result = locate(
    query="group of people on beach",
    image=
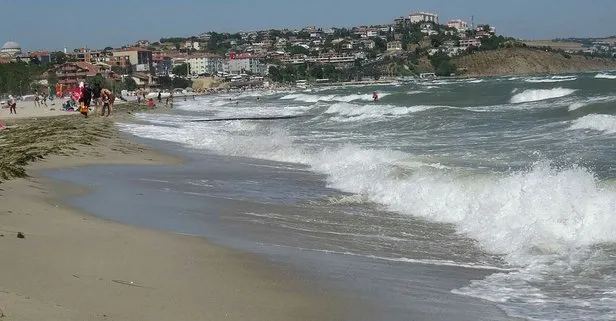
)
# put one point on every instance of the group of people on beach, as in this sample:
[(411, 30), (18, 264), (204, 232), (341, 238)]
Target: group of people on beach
[(40, 100), (102, 97)]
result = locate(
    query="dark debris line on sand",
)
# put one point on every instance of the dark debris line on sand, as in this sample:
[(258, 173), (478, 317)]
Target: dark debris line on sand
[(29, 140)]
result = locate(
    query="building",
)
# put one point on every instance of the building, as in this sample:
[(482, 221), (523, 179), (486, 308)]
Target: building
[(10, 49), (205, 64), (487, 29), (43, 57), (459, 24), (90, 56), (243, 64), (470, 42), (142, 80), (394, 45), (369, 44), (192, 44), (143, 43), (417, 17), (70, 74), (139, 58)]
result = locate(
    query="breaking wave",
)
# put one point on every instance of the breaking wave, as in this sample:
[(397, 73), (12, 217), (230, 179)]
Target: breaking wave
[(531, 95), (605, 76)]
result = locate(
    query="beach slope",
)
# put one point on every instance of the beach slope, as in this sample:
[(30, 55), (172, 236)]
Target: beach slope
[(72, 266)]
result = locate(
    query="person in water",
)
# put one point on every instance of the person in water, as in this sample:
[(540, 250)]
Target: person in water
[(375, 96)]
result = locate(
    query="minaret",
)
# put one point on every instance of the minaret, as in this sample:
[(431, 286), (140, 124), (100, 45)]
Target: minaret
[(473, 22)]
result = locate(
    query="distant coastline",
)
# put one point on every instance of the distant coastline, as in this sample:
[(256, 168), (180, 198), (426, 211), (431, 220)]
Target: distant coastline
[(526, 61)]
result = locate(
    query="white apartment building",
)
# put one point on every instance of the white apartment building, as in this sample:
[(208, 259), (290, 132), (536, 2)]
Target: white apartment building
[(417, 17), (468, 42), (459, 24), (204, 64), (245, 65)]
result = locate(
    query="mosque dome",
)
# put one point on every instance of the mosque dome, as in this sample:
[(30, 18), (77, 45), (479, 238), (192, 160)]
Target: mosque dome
[(11, 47)]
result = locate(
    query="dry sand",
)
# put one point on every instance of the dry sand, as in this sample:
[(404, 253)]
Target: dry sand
[(27, 109), (72, 266)]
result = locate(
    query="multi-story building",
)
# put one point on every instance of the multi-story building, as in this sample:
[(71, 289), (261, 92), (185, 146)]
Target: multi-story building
[(205, 64), (470, 42), (394, 45), (90, 56), (459, 24), (242, 64), (417, 17), (43, 57), (141, 59), (71, 74)]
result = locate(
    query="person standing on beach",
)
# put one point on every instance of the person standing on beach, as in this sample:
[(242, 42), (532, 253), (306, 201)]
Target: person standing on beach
[(96, 95), (36, 100), (108, 96), (160, 97), (85, 100), (13, 105)]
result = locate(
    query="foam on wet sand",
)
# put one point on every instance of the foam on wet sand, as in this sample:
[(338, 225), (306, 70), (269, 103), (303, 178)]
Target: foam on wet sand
[(72, 266)]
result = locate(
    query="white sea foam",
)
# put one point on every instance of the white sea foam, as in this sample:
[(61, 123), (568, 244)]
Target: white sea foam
[(352, 112), (531, 95), (542, 219), (605, 76), (414, 92), (596, 122), (544, 208), (592, 100), (309, 98), (551, 79), (415, 261)]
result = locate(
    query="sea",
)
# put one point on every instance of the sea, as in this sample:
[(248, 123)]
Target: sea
[(441, 197)]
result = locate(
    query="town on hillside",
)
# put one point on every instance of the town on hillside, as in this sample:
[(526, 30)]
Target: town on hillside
[(408, 46)]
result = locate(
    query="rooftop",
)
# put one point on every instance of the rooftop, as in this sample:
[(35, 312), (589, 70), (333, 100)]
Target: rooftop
[(11, 45)]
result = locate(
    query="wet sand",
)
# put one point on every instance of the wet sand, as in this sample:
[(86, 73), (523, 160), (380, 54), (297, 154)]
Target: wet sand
[(73, 266)]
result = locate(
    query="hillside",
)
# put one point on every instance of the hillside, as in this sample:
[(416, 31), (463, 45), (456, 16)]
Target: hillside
[(524, 61)]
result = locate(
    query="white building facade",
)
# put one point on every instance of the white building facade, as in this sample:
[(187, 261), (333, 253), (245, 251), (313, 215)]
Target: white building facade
[(459, 24), (417, 17), (205, 64), (245, 65)]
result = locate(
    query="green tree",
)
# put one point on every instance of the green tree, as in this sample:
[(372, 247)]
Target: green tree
[(129, 83), (179, 82), (380, 44), (61, 57), (181, 70), (97, 79), (442, 64), (52, 78)]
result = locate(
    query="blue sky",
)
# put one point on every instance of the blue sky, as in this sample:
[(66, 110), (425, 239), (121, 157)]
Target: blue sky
[(46, 24)]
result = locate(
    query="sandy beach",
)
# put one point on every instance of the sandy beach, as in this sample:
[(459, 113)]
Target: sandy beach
[(72, 266), (27, 109)]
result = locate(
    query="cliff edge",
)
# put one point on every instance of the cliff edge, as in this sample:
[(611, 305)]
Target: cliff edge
[(526, 61)]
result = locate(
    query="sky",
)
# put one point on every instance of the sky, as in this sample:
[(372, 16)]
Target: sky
[(52, 25)]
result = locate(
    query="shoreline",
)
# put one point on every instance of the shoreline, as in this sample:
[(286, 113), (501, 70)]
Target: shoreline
[(74, 266)]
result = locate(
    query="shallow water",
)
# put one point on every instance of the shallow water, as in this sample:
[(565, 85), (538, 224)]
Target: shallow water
[(512, 174)]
